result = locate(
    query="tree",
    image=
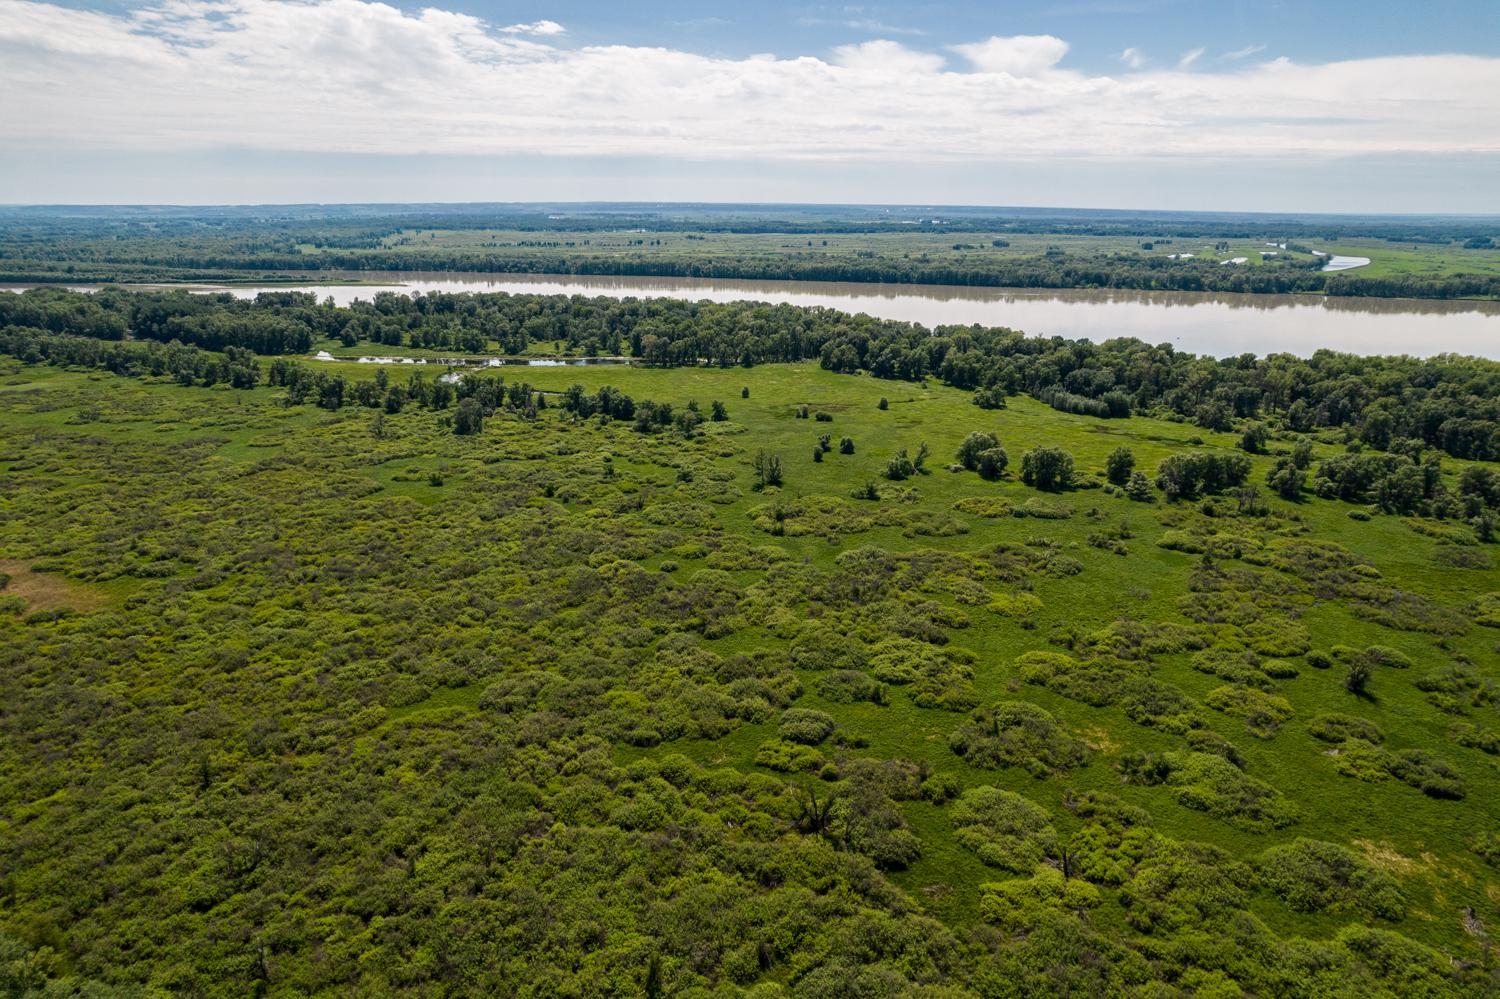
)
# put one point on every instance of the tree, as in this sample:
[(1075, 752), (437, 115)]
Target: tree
[(990, 398), (1138, 487), (1302, 454), (883, 404), (1287, 479), (1377, 429), (900, 466), (1047, 468), (717, 412), (745, 392), (992, 463), (817, 454), (767, 470), (1214, 415), (1253, 439), (1357, 680), (1401, 491), (846, 446), (968, 451), (394, 400), (468, 418), (1119, 465), (825, 442)]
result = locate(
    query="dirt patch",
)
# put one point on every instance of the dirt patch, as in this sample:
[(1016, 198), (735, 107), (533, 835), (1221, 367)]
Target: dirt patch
[(1098, 740), (1385, 857), (46, 590)]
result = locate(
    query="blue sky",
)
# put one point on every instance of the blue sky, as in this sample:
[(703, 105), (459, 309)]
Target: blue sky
[(1186, 104), (1098, 30)]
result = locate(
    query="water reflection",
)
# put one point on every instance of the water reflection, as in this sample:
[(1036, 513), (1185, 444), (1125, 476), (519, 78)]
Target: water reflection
[(1213, 323)]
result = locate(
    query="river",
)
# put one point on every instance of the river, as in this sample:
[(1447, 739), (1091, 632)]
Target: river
[(1203, 323)]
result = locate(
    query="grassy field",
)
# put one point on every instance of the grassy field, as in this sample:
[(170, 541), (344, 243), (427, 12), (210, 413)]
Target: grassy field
[(358, 631), (1388, 258)]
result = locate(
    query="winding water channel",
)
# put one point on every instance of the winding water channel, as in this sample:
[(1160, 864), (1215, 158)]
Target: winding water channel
[(1205, 323)]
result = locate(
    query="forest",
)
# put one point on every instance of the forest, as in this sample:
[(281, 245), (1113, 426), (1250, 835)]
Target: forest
[(1448, 404), (808, 655), (1440, 257)]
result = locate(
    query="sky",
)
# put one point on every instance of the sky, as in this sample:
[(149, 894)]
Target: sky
[(1338, 105)]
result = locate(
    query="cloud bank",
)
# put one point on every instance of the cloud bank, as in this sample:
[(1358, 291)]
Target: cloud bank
[(349, 76)]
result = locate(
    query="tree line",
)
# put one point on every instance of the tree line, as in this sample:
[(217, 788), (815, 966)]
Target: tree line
[(1446, 402)]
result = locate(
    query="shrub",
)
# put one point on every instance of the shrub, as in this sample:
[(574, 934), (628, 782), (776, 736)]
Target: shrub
[(1017, 734), (1263, 713), (1314, 876), (846, 686), (1204, 740), (846, 445), (903, 466), (1003, 829), (883, 405), (1413, 767), (983, 506), (1319, 660), (1211, 784), (1333, 727), (805, 725), (788, 757), (1042, 900)]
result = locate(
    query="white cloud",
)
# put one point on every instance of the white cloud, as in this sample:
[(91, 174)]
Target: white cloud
[(1244, 53), (887, 58), (1188, 58), (352, 76), (1133, 57), (535, 28), (1018, 55)]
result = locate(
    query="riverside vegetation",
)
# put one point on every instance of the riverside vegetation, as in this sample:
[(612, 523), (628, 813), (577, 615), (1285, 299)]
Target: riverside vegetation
[(765, 676), (1432, 257)]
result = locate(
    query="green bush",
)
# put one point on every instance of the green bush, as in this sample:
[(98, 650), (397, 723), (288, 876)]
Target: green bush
[(1003, 829), (1314, 876), (805, 725), (1017, 734), (1334, 727)]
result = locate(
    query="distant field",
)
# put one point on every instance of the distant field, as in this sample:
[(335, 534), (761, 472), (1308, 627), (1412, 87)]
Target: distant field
[(939, 248), (1421, 257)]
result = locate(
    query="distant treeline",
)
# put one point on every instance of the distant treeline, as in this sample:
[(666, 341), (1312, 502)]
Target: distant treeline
[(1447, 402), (1088, 271), (234, 244), (356, 224)]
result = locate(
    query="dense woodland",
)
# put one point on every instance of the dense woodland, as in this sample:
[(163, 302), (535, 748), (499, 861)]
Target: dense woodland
[(1446, 403), (813, 656)]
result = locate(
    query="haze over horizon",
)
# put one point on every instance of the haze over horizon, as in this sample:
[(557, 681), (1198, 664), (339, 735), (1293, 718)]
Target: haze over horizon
[(1128, 104)]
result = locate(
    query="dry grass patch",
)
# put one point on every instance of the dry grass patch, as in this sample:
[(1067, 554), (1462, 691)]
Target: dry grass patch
[(46, 591)]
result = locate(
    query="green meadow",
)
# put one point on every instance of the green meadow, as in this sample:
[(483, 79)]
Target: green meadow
[(304, 702)]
